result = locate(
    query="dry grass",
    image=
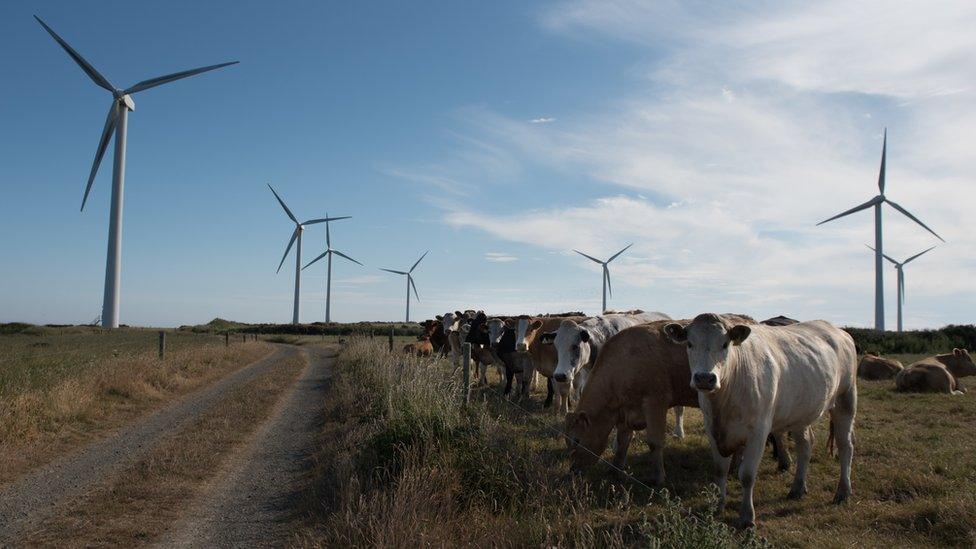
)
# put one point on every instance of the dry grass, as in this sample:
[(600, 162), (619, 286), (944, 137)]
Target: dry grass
[(85, 384), (139, 504)]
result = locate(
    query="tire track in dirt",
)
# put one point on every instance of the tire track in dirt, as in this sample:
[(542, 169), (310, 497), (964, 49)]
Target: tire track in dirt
[(40, 494), (251, 503)]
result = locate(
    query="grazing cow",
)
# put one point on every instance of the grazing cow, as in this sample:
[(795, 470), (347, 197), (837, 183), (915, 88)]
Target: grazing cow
[(756, 380), (639, 374), (420, 348), (924, 377), (876, 367), (578, 344), (540, 358)]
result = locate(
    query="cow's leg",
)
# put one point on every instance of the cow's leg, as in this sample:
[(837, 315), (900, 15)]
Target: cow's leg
[(751, 456), (842, 417), (679, 422), (721, 474), (780, 451), (655, 434), (563, 391), (528, 372), (509, 377), (804, 444), (621, 445), (550, 392)]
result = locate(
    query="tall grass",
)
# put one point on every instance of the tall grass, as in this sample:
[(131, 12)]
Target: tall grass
[(405, 464)]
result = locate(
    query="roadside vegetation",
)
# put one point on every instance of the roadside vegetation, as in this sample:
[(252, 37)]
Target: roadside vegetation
[(63, 386), (403, 463)]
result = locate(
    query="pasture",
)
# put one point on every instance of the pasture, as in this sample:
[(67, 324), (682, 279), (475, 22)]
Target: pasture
[(403, 463)]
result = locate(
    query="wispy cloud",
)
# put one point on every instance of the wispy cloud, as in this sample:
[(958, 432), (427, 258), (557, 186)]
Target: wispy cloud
[(542, 120), (439, 182), (499, 257)]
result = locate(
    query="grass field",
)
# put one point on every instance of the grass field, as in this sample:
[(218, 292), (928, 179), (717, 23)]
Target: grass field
[(59, 387), (404, 464)]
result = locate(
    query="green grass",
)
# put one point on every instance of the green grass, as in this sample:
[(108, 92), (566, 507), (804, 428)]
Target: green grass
[(407, 465)]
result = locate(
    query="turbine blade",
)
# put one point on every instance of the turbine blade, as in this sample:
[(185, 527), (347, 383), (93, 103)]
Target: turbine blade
[(418, 261), (294, 236), (107, 132), (614, 256), (346, 256), (326, 218), (884, 156), (96, 77), (916, 256), (874, 201), (590, 257), (913, 218), (414, 286), (394, 272), (606, 273), (886, 256), (160, 80), (282, 202), (325, 253), (328, 234)]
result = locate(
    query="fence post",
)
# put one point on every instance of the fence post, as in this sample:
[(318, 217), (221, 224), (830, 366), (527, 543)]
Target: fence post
[(391, 339), (162, 344), (466, 372), (227, 339)]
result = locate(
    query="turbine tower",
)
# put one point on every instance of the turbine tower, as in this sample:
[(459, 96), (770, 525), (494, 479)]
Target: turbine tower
[(900, 268), (297, 235), (116, 123), (606, 273), (328, 253), (876, 202), (409, 275)]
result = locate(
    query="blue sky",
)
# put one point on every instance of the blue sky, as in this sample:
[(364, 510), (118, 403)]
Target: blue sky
[(499, 136)]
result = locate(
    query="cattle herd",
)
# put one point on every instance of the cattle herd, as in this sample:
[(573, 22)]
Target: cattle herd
[(755, 382)]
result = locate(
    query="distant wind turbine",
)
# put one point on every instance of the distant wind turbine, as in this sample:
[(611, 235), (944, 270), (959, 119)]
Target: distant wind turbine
[(878, 249), (297, 235), (900, 268), (116, 123), (606, 272), (409, 275), (328, 253)]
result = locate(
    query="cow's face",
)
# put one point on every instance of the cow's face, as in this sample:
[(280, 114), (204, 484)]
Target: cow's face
[(586, 438), (708, 344), (496, 329), (572, 347), (524, 331), (449, 322), (963, 363)]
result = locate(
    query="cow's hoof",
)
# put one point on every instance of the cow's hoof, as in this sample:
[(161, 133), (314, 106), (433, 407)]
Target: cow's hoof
[(797, 493), (745, 524), (841, 497), (783, 466)]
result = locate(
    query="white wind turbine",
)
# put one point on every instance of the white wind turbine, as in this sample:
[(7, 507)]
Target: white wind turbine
[(328, 253), (116, 123), (297, 235), (876, 202), (900, 268), (606, 272), (409, 275)]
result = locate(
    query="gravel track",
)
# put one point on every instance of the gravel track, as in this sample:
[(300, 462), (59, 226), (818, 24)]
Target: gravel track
[(251, 502), (41, 493)]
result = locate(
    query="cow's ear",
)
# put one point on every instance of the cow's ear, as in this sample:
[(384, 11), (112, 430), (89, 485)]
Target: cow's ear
[(739, 333), (536, 324), (675, 332), (584, 335), (510, 322), (957, 352), (547, 338), (439, 317), (457, 314)]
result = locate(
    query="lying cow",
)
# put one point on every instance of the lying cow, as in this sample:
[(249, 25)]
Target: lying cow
[(958, 362), (578, 345), (421, 348), (754, 380), (876, 367)]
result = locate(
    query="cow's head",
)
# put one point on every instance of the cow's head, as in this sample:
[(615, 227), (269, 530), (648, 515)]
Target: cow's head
[(961, 364), (449, 322), (708, 339), (525, 331), (572, 344), (586, 438), (496, 329)]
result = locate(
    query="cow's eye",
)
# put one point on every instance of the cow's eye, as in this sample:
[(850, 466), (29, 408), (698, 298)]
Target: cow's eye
[(689, 345), (726, 345)]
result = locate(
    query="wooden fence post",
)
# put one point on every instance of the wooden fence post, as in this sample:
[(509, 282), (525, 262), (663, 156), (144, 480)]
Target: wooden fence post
[(162, 344), (391, 339), (227, 339), (466, 372)]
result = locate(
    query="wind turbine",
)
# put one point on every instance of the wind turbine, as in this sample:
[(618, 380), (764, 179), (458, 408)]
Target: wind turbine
[(328, 253), (900, 268), (409, 281), (606, 272), (116, 123), (876, 202), (297, 235)]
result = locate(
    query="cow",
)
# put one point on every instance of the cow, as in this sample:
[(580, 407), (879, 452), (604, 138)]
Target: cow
[(420, 348), (639, 374), (538, 357), (924, 377), (876, 367), (481, 355), (501, 342), (780, 321), (438, 338), (958, 362), (753, 380), (451, 324), (578, 345)]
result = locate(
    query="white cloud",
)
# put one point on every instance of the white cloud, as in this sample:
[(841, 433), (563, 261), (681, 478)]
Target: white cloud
[(542, 120), (499, 257)]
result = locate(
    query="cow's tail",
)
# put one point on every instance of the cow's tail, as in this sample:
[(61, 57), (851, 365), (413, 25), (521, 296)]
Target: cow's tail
[(830, 438)]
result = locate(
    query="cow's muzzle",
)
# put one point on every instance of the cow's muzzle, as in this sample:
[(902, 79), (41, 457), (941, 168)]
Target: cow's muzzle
[(560, 377), (705, 382)]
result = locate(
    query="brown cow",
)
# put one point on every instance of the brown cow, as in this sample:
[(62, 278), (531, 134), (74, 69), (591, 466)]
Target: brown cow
[(923, 377), (538, 357), (438, 339), (876, 367), (421, 347), (958, 362)]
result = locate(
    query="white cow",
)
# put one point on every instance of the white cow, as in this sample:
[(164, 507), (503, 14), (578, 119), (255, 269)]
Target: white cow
[(753, 380), (577, 345)]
